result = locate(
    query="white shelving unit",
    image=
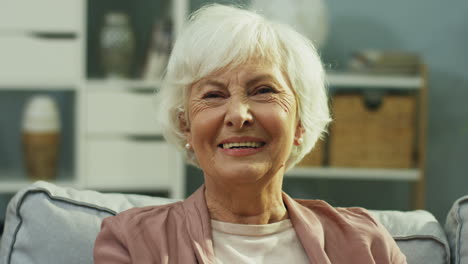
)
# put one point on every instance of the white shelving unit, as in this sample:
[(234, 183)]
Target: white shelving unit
[(41, 51), (45, 51)]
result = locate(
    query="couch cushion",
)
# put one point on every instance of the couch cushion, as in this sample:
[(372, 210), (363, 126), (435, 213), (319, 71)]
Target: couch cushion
[(418, 234), (50, 224), (456, 227)]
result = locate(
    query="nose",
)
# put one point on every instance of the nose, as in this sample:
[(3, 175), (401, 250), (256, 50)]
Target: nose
[(238, 114)]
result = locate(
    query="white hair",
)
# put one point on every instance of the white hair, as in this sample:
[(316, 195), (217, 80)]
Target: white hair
[(218, 37)]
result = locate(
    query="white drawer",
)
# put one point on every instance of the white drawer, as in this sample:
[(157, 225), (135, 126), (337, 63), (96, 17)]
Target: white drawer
[(42, 15), (121, 112), (119, 164), (31, 60)]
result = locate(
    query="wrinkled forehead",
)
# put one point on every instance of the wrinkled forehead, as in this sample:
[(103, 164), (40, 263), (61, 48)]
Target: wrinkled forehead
[(250, 67), (242, 61), (250, 72)]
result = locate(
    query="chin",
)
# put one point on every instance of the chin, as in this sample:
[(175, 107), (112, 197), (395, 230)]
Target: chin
[(242, 173)]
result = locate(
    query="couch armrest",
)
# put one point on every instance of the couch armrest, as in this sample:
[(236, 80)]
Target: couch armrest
[(418, 234)]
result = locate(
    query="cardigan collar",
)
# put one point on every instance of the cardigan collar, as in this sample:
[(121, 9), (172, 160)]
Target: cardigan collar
[(306, 224), (197, 220), (308, 229)]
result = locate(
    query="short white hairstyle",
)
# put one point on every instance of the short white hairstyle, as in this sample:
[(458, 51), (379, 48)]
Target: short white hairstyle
[(224, 37)]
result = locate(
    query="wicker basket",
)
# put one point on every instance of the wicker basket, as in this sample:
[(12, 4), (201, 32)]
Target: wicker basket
[(314, 158), (379, 138)]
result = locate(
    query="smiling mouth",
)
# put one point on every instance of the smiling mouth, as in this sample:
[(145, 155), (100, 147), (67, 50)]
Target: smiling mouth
[(241, 145)]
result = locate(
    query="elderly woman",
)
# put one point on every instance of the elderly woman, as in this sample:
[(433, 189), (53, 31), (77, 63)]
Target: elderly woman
[(245, 99)]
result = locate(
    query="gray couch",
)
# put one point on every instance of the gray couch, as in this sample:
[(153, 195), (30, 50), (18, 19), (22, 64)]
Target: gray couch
[(50, 224)]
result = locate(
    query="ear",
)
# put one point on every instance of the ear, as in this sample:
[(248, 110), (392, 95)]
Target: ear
[(298, 134), (185, 127)]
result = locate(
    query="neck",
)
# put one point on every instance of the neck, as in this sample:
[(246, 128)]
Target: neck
[(253, 203)]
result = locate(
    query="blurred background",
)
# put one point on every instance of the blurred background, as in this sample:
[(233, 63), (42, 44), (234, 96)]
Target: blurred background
[(78, 82)]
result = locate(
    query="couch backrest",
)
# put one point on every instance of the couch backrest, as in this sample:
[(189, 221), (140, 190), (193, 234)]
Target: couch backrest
[(456, 228), (50, 224)]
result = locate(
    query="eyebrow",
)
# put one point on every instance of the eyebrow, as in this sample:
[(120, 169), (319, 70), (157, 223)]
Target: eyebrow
[(251, 82), (212, 82), (262, 77)]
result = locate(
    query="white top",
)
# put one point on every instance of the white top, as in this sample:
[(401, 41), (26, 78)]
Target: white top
[(270, 243)]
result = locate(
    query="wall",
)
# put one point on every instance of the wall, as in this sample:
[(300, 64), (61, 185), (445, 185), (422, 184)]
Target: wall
[(438, 31)]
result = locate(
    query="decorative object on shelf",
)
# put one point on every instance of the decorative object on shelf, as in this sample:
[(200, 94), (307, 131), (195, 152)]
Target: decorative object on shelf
[(366, 134), (385, 62), (158, 51), (308, 17), (117, 44), (41, 137)]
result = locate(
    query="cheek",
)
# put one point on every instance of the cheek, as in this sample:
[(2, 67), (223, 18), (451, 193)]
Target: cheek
[(279, 118), (275, 119), (284, 108), (205, 124), (196, 107)]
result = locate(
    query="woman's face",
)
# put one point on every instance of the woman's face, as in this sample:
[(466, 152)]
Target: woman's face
[(242, 123)]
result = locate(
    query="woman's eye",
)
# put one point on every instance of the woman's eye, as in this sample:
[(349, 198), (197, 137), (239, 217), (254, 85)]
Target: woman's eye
[(264, 90), (212, 95)]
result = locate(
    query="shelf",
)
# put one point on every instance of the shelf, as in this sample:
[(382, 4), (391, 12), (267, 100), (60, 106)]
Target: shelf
[(38, 86), (122, 84), (361, 80), (355, 174)]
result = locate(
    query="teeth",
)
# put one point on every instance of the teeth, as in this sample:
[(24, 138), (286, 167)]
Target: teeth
[(242, 144)]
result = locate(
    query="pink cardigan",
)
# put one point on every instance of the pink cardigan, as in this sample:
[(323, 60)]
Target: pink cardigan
[(181, 233)]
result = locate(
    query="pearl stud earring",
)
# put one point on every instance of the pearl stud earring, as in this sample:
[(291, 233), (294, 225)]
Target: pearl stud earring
[(300, 141), (187, 146)]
